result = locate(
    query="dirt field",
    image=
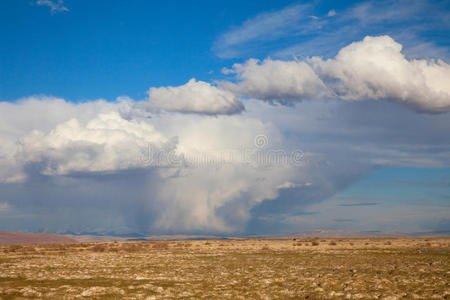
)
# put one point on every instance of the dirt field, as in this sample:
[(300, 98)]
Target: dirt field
[(229, 269)]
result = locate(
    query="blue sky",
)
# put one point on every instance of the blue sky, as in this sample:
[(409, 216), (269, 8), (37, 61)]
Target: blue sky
[(393, 193), (102, 49), (99, 49), (360, 88)]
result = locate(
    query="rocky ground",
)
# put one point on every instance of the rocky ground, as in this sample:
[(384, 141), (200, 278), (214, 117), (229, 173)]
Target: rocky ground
[(374, 268)]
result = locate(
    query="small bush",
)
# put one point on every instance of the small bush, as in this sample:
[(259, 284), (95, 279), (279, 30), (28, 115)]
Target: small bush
[(332, 243), (131, 248), (99, 248), (161, 245), (14, 248)]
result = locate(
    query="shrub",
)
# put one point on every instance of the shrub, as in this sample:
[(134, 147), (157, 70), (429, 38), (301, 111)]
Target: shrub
[(14, 248), (99, 248), (161, 245)]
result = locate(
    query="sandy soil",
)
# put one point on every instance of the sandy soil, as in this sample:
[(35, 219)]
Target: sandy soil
[(372, 268)]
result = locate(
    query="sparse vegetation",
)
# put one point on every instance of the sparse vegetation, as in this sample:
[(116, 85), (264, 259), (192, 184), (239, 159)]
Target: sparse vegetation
[(228, 269), (160, 245)]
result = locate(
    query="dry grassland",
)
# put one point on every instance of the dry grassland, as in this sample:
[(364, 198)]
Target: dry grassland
[(372, 268)]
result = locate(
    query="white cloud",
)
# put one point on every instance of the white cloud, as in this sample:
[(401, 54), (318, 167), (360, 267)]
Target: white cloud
[(54, 6), (277, 81), (221, 202), (41, 113), (106, 143), (87, 156), (95, 148), (373, 68), (291, 185), (193, 97), (92, 139), (215, 196), (307, 31), (263, 27)]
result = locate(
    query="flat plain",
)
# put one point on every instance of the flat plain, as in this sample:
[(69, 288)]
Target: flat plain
[(313, 268)]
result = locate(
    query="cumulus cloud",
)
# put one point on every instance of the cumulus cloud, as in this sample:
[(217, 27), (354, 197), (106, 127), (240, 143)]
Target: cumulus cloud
[(125, 167), (284, 82), (373, 68), (194, 97), (221, 181), (106, 143), (222, 202), (216, 182), (85, 157), (38, 113), (94, 140)]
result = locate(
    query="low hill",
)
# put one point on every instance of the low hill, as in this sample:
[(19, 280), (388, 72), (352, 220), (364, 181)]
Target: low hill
[(7, 237), (351, 234)]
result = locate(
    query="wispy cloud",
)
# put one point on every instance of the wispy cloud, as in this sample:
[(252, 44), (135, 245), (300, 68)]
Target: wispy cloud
[(54, 6), (302, 31), (343, 220), (359, 204), (267, 26)]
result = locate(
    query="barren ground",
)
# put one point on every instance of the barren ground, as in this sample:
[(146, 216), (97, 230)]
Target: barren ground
[(360, 268)]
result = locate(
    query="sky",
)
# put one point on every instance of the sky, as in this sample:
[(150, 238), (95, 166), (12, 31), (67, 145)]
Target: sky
[(224, 117)]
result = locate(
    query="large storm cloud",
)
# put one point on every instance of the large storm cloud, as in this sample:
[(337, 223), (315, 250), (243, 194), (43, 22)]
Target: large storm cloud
[(192, 159)]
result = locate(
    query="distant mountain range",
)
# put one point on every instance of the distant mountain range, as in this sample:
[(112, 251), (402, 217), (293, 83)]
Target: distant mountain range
[(350, 234), (36, 238), (306, 234), (7, 237)]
